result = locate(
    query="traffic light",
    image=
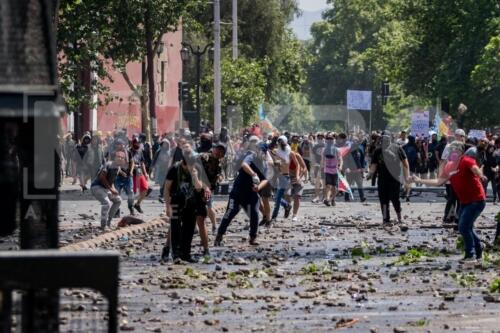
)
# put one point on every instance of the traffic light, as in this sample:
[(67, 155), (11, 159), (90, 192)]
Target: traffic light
[(183, 91)]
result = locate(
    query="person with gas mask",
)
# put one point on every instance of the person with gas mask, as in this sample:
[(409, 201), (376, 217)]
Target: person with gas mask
[(182, 190), (389, 161), (245, 193)]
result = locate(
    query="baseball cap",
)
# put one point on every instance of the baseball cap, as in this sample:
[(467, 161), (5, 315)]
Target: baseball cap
[(460, 132), (283, 138)]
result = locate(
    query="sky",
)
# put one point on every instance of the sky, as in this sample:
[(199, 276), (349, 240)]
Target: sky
[(311, 13), (312, 5)]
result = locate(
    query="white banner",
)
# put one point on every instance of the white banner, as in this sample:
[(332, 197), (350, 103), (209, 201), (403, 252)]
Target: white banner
[(359, 100), (420, 124), (478, 134)]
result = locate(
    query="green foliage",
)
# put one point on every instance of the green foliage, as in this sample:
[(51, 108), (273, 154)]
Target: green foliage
[(243, 84), (312, 268), (460, 245), (82, 36), (414, 256), (442, 49), (495, 286), (263, 37), (465, 280), (292, 112)]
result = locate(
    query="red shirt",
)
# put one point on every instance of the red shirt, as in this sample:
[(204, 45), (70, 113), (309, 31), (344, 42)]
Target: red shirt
[(467, 185)]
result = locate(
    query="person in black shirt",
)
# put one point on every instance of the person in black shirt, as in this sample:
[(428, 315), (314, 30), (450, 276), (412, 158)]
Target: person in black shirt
[(141, 178), (182, 190), (389, 161), (245, 193)]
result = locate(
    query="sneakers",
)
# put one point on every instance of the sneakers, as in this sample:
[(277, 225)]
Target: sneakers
[(131, 210), (315, 200), (253, 241), (263, 222), (479, 252), (468, 260), (138, 208), (362, 200), (161, 200), (206, 253), (165, 253), (149, 192), (295, 219), (218, 240), (333, 203), (117, 214), (327, 203), (287, 211)]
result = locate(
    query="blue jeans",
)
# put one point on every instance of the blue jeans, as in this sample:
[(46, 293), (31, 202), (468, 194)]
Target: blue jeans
[(125, 183), (283, 186), (468, 215)]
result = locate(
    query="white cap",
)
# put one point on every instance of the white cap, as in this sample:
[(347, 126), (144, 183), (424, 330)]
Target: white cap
[(460, 132), (254, 139), (283, 138)]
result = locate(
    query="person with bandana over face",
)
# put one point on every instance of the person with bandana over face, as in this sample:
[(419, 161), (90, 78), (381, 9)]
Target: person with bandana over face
[(389, 161), (140, 174), (245, 193)]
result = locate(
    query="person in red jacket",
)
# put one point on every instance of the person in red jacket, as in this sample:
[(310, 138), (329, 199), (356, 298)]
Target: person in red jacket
[(466, 179)]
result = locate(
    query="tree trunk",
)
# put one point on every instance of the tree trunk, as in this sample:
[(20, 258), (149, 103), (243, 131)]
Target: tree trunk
[(144, 103), (150, 69)]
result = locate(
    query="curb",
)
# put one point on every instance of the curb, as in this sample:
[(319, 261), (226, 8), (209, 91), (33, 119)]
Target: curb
[(96, 242)]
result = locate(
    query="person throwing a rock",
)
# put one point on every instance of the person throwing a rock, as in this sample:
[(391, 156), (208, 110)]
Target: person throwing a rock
[(245, 193)]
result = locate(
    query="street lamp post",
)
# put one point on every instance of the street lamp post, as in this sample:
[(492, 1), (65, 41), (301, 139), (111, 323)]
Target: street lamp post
[(198, 53)]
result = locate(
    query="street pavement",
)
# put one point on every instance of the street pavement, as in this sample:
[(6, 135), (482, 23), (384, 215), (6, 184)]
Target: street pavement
[(335, 269)]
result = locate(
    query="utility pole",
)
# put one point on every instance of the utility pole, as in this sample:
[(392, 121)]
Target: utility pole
[(217, 75), (235, 29)]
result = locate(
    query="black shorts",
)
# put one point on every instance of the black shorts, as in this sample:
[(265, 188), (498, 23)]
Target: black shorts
[(267, 191), (332, 180)]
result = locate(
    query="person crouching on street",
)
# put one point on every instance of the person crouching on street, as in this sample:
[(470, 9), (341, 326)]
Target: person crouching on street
[(182, 186), (103, 188), (245, 193)]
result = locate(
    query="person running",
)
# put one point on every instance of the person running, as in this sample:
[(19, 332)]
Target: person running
[(182, 189), (284, 158), (140, 180), (247, 184), (466, 179), (389, 161), (331, 163), (104, 191), (267, 192)]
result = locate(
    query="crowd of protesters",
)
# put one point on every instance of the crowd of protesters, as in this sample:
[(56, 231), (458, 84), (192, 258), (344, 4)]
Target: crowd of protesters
[(265, 168)]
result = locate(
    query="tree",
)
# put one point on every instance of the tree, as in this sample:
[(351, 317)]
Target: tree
[(348, 29), (433, 48), (96, 33), (82, 37), (243, 85)]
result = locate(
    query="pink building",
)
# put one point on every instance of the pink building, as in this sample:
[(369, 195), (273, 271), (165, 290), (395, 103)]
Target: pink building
[(125, 110)]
